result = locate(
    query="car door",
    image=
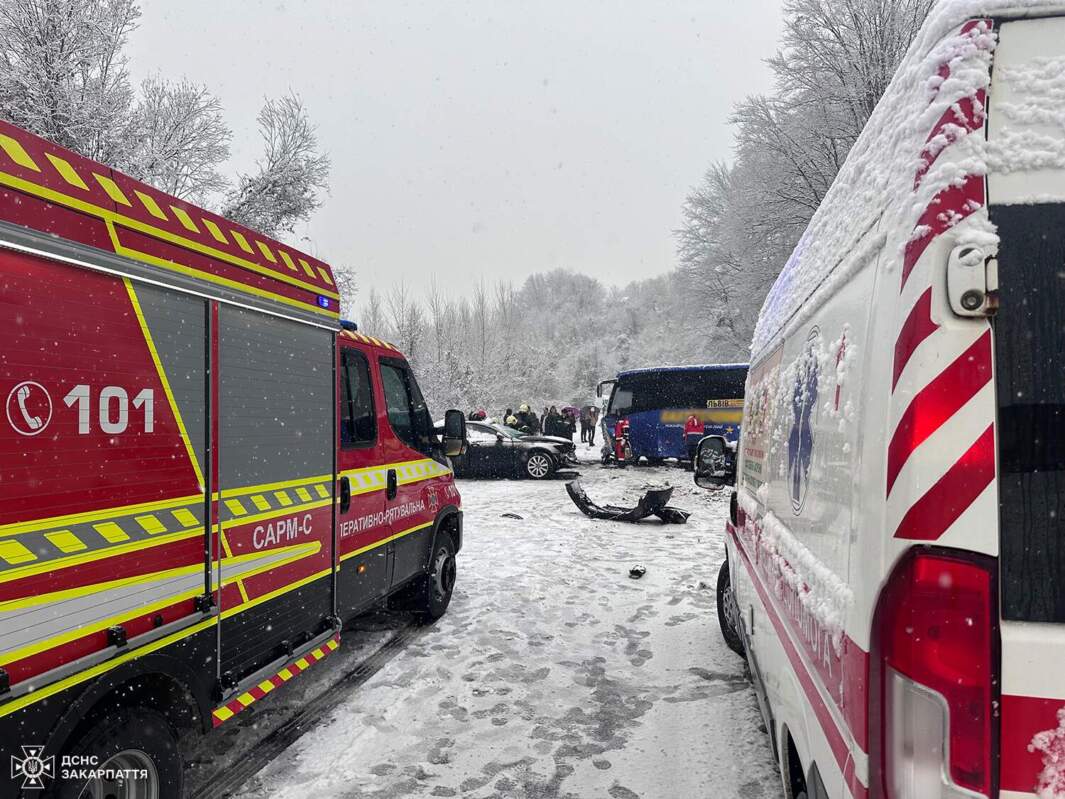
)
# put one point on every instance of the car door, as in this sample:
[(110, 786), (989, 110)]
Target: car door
[(364, 572), (482, 442), (414, 458)]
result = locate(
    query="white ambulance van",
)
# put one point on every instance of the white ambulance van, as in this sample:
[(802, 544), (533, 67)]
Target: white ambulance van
[(895, 568)]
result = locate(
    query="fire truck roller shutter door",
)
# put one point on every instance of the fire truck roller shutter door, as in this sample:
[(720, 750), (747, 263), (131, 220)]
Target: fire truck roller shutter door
[(276, 430)]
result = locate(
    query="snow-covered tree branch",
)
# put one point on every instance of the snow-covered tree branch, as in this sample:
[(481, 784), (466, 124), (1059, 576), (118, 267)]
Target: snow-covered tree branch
[(292, 174)]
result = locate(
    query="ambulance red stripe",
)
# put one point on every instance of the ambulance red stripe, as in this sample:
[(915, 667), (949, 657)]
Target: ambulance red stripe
[(917, 327), (964, 117), (937, 402), (836, 742), (946, 210), (955, 491), (1022, 718)]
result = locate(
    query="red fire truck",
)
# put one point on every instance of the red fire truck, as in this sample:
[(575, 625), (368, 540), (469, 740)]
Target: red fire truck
[(203, 473)]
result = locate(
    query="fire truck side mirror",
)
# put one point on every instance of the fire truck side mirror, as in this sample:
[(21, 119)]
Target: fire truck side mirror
[(454, 433)]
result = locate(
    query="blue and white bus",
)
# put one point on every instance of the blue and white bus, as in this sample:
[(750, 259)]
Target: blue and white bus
[(657, 402)]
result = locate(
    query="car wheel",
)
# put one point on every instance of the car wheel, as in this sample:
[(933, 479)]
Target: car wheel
[(140, 745), (728, 612), (539, 465)]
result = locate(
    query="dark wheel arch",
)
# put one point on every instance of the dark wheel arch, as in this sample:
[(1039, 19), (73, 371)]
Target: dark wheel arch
[(156, 680)]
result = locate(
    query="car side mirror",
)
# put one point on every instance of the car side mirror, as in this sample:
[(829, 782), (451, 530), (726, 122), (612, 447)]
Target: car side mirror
[(454, 433), (715, 463), (499, 438)]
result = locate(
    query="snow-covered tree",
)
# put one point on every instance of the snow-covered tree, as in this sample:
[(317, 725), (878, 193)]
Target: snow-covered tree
[(63, 74), (180, 140), (742, 221), (291, 176)]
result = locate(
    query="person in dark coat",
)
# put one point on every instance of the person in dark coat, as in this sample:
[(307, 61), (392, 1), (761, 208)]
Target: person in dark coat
[(593, 422), (553, 422), (527, 419)]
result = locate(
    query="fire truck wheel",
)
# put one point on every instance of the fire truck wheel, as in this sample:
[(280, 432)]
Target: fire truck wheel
[(433, 595), (139, 749), (727, 611)]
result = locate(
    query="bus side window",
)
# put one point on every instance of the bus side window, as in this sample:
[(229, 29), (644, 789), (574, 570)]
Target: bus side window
[(358, 423)]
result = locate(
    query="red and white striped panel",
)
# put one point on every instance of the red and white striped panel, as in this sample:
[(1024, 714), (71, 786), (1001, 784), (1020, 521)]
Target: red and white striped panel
[(941, 449)]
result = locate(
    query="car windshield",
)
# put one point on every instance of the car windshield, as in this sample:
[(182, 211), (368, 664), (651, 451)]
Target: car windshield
[(509, 432)]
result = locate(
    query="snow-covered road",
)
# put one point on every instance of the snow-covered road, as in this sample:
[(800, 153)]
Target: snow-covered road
[(554, 674)]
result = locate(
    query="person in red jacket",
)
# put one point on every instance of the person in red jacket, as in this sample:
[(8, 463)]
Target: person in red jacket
[(693, 434)]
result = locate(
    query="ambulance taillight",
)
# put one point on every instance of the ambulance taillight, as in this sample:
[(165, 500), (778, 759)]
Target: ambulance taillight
[(934, 679)]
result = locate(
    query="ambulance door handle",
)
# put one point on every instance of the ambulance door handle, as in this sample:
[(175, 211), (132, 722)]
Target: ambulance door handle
[(345, 494), (393, 484)]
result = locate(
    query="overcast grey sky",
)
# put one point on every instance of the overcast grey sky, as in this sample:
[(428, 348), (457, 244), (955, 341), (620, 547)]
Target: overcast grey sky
[(491, 139)]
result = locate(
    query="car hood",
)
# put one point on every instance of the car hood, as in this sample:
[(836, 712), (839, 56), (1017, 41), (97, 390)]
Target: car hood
[(547, 440)]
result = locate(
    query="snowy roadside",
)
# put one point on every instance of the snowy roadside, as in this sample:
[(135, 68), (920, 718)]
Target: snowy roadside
[(553, 674)]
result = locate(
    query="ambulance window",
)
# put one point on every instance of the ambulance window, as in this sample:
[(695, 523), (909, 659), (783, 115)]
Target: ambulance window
[(358, 424)]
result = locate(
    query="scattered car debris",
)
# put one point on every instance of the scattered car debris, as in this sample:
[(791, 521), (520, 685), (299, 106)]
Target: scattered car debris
[(511, 516), (637, 571), (652, 503)]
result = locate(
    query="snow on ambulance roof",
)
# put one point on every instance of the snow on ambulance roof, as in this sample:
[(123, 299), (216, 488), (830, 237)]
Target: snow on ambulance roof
[(55, 191), (895, 175), (705, 367)]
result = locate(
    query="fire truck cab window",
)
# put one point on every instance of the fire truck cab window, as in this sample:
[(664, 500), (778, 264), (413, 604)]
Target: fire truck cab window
[(358, 424), (407, 412)]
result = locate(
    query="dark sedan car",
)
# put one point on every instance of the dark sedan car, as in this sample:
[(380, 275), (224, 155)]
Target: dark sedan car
[(497, 451)]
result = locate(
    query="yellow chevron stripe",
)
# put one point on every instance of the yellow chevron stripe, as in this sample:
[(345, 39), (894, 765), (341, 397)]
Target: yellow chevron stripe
[(184, 218), (111, 532), (184, 517), (268, 254), (65, 541), (215, 231), (153, 207), (112, 189), (15, 553), (151, 524), (17, 153), (66, 171)]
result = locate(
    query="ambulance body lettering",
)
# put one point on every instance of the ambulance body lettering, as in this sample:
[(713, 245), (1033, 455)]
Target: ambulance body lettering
[(894, 572), (185, 471)]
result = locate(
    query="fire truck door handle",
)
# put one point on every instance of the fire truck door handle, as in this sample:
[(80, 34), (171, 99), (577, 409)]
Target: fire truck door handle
[(345, 494), (393, 484)]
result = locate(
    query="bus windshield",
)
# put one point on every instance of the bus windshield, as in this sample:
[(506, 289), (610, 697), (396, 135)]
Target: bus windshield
[(675, 389)]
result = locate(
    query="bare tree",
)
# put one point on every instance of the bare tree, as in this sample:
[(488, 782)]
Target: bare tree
[(180, 140), (291, 175), (63, 74), (372, 318), (407, 320)]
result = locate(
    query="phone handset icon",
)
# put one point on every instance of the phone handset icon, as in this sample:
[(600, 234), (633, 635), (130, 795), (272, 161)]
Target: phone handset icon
[(29, 408), (34, 422)]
